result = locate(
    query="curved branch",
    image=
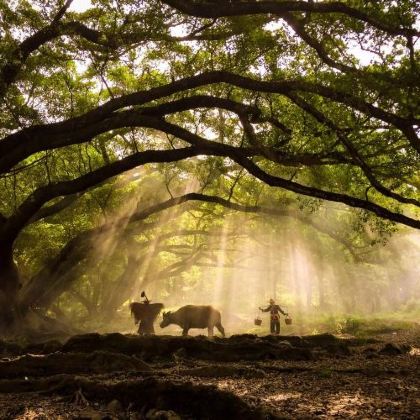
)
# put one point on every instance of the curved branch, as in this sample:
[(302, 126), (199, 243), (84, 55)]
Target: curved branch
[(200, 146), (22, 144), (10, 70), (299, 28), (325, 195), (241, 157), (56, 29), (54, 208), (353, 152), (34, 202), (247, 209), (208, 9)]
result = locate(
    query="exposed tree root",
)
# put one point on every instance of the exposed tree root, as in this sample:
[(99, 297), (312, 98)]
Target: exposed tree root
[(282, 347), (79, 399), (198, 401), (223, 350), (57, 363), (221, 371), (108, 370)]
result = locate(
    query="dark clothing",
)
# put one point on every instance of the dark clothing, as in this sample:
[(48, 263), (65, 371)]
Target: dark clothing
[(145, 314), (275, 326), (275, 311), (146, 327)]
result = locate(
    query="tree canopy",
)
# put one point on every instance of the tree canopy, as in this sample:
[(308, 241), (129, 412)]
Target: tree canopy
[(269, 107)]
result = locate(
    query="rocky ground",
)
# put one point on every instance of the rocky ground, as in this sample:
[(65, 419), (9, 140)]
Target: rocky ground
[(118, 376)]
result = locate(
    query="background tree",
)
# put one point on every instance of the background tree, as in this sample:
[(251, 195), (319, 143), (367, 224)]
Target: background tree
[(275, 88)]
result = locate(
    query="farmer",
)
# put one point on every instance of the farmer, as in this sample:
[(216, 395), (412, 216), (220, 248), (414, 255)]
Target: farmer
[(146, 299), (145, 313), (275, 311)]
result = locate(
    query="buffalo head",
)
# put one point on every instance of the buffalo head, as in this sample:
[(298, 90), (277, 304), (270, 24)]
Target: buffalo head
[(166, 319)]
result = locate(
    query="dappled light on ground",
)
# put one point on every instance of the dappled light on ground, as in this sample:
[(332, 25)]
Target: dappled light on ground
[(243, 377)]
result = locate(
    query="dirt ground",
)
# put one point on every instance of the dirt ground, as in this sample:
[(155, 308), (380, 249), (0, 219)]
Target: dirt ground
[(242, 377)]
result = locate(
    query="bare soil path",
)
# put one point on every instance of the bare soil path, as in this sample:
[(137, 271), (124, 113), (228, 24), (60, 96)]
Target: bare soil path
[(243, 377)]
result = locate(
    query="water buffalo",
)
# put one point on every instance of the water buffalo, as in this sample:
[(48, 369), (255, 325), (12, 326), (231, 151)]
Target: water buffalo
[(192, 316)]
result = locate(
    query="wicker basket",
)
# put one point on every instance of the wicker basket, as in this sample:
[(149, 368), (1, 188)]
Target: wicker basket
[(258, 321), (288, 321)]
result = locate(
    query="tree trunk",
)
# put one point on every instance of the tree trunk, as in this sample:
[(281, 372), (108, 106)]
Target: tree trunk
[(123, 287), (9, 288), (309, 296), (321, 291), (56, 276)]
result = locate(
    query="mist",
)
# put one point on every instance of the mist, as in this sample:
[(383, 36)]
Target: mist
[(326, 271)]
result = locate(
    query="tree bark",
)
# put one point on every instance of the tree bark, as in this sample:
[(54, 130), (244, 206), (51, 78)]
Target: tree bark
[(123, 288), (56, 276), (9, 288)]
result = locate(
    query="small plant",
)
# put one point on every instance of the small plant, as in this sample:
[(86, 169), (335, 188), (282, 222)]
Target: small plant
[(325, 373), (352, 325)]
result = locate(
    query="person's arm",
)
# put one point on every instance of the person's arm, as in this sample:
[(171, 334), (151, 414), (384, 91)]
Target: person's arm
[(284, 313), (266, 309)]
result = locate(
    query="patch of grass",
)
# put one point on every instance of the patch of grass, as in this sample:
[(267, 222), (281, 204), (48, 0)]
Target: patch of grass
[(357, 325), (350, 325), (383, 326), (324, 373)]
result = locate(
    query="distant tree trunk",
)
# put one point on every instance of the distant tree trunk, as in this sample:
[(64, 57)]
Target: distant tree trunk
[(274, 285), (321, 292), (9, 288), (299, 292), (375, 302), (309, 296), (90, 306), (123, 288), (57, 276)]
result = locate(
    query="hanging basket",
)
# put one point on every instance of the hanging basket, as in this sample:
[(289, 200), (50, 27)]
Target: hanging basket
[(288, 321), (258, 321)]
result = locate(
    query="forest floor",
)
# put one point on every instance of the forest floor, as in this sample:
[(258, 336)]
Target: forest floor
[(243, 377)]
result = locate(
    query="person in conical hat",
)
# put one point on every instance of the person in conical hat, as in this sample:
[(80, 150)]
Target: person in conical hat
[(145, 313), (275, 311)]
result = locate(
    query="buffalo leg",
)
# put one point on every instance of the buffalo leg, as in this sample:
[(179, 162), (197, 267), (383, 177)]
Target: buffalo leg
[(185, 331), (210, 331), (220, 328)]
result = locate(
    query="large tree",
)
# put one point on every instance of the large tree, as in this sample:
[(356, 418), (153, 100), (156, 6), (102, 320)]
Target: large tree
[(277, 88)]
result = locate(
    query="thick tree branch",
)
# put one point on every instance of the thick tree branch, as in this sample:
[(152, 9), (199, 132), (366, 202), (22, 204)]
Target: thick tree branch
[(353, 152), (242, 159), (354, 202), (299, 27), (208, 9), (54, 208), (40, 196), (33, 203), (22, 144)]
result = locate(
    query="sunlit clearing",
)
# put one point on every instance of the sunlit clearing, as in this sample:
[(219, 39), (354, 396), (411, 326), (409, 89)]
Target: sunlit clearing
[(147, 278), (221, 262), (300, 269)]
